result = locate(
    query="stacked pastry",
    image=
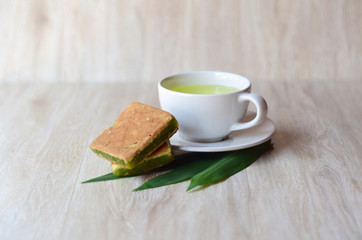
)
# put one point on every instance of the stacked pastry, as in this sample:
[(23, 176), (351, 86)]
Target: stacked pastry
[(138, 141)]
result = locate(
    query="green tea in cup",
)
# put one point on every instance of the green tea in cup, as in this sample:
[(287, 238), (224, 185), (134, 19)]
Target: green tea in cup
[(209, 105), (205, 89)]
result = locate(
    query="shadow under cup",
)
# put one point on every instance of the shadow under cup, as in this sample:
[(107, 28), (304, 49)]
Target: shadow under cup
[(205, 117)]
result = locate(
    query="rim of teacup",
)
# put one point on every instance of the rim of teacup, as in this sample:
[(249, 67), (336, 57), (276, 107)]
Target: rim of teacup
[(247, 81)]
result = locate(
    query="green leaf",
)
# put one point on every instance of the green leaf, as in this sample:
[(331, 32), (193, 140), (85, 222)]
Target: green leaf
[(201, 168), (231, 163), (106, 177), (195, 163)]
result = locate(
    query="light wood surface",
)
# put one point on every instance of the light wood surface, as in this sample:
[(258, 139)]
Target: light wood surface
[(308, 187), (126, 40)]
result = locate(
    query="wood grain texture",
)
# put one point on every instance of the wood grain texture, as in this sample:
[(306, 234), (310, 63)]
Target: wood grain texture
[(308, 187), (73, 41)]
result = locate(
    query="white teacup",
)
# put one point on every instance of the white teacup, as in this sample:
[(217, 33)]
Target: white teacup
[(210, 117)]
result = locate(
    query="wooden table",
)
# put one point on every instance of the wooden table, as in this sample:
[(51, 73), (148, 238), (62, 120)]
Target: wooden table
[(308, 187), (122, 40)]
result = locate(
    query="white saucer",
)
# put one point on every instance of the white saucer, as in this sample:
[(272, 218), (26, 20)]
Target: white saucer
[(236, 140)]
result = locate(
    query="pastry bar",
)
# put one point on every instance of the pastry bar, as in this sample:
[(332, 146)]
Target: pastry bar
[(158, 158), (137, 132)]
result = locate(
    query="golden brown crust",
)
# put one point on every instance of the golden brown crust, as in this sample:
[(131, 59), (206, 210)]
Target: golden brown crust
[(134, 129)]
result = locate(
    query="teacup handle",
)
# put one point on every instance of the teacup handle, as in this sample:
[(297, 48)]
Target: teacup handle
[(261, 111)]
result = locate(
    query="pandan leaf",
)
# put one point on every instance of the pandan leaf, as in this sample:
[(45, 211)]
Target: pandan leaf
[(194, 164), (201, 168), (231, 163), (106, 177)]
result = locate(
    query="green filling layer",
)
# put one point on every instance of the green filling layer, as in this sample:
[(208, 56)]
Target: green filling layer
[(162, 137), (108, 156), (145, 166)]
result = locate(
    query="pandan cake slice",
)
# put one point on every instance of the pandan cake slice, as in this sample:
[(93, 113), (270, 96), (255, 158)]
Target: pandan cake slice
[(137, 132), (158, 158)]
